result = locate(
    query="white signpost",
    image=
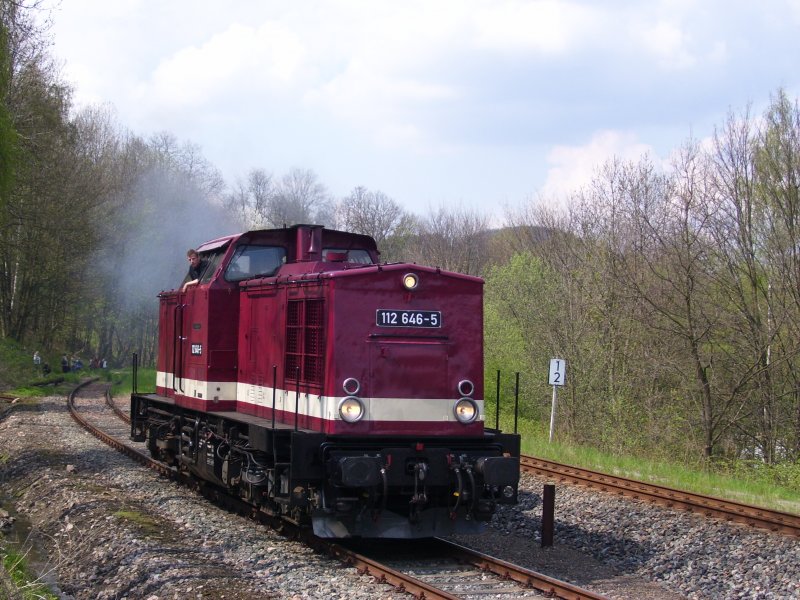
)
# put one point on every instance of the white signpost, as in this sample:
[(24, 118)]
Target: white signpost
[(558, 377)]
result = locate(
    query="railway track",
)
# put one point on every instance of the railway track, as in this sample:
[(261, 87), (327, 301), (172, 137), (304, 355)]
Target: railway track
[(776, 521), (458, 572), (464, 572)]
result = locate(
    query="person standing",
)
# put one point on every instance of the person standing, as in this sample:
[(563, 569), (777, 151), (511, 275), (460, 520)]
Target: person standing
[(65, 364), (37, 359)]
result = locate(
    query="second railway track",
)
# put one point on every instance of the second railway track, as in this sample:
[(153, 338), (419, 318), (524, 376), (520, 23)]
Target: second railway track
[(754, 516)]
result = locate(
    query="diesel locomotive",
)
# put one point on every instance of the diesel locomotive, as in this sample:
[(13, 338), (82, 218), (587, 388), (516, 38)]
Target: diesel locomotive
[(328, 388)]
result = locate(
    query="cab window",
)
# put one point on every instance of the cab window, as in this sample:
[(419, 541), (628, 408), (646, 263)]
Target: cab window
[(255, 261), (357, 256), (211, 260)]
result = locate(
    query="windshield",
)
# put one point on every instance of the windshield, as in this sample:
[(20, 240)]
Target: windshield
[(255, 261)]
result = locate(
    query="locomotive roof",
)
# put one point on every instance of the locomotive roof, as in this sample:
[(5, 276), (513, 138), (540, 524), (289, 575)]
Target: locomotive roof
[(287, 234)]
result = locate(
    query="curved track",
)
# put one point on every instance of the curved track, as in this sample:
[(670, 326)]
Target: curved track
[(754, 516), (448, 578)]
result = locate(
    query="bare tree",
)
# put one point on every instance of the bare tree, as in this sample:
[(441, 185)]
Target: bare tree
[(377, 215), (299, 197), (249, 202), (455, 240), (185, 159)]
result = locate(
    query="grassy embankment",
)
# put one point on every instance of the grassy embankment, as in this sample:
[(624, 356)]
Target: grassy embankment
[(775, 487)]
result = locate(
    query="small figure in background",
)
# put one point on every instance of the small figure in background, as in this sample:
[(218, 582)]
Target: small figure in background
[(37, 359), (104, 363), (65, 364)]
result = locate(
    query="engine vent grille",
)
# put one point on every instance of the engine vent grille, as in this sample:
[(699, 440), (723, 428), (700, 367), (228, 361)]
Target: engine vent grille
[(305, 343)]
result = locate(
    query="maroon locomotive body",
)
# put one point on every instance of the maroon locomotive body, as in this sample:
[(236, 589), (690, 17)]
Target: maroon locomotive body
[(319, 384)]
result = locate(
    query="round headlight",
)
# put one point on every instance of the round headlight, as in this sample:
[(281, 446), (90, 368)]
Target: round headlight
[(466, 387), (351, 409), (466, 410), (410, 281)]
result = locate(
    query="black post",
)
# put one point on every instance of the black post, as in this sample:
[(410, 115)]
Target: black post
[(135, 373), (516, 403), (297, 397), (274, 389), (497, 411), (548, 510)]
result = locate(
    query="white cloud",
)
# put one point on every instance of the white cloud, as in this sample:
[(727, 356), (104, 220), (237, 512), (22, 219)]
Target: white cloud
[(668, 43), (265, 57), (546, 26), (573, 167)]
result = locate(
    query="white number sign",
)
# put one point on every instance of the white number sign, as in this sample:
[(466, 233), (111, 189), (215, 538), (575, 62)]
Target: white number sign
[(558, 371)]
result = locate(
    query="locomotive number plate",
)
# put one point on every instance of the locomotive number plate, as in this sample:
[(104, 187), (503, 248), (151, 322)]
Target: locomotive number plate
[(408, 318)]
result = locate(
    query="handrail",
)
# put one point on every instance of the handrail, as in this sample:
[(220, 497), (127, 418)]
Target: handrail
[(181, 351), (177, 348)]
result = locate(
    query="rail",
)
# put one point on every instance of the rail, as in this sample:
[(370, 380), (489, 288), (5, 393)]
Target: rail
[(754, 516)]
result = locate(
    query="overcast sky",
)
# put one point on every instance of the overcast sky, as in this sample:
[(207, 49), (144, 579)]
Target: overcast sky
[(476, 103)]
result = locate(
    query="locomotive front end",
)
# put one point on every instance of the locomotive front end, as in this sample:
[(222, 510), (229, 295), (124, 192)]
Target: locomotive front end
[(407, 454)]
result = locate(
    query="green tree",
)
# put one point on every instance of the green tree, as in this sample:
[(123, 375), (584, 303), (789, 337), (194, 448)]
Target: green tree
[(8, 136)]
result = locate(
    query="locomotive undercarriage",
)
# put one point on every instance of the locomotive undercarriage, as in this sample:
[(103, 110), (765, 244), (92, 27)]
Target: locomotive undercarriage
[(393, 487)]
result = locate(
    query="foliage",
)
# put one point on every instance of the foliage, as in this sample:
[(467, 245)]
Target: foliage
[(775, 487), (16, 364), (782, 475), (678, 306), (518, 313), (8, 135), (26, 585), (122, 381)]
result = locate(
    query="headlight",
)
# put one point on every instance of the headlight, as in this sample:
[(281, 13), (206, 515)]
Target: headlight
[(466, 410), (410, 281), (466, 387), (351, 409)]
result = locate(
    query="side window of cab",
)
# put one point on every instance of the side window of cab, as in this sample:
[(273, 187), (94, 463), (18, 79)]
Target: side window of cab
[(357, 256), (211, 259), (212, 262)]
